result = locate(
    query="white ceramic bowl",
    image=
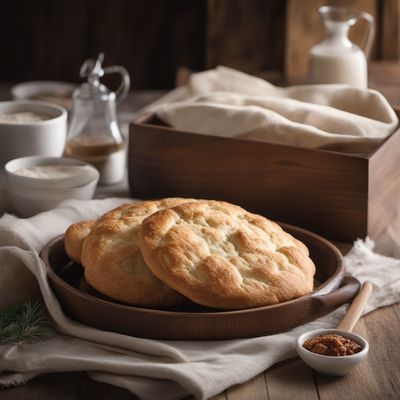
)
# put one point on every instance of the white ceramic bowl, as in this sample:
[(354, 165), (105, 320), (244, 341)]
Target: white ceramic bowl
[(30, 196), (331, 365), (50, 91), (44, 138)]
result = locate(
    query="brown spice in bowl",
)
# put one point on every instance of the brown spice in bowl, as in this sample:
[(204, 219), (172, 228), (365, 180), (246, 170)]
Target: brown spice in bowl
[(332, 345)]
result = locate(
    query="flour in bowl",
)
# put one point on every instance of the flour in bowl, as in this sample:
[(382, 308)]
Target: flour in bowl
[(52, 171), (21, 118)]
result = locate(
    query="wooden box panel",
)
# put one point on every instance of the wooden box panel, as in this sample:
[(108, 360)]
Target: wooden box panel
[(338, 195)]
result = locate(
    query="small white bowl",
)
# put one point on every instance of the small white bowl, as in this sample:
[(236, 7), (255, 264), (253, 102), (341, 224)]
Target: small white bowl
[(44, 138), (331, 365), (30, 195), (50, 91)]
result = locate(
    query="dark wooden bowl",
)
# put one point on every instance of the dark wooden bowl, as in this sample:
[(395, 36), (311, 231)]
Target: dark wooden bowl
[(194, 323)]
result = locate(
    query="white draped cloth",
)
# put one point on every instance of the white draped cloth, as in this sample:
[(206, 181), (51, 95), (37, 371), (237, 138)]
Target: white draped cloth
[(228, 103)]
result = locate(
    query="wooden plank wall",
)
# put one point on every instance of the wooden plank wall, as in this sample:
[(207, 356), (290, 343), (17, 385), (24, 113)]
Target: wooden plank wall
[(47, 39), (154, 38), (247, 35), (390, 31)]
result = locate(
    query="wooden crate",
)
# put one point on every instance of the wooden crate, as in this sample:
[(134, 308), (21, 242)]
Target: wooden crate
[(338, 195)]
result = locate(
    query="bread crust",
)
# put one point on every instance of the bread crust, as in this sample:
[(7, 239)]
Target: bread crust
[(219, 255), (113, 261), (74, 237)]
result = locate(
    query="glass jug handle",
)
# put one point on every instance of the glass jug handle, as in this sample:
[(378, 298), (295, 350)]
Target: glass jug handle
[(369, 33), (123, 88)]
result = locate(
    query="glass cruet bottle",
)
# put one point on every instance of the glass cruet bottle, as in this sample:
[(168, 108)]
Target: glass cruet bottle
[(336, 59), (94, 135)]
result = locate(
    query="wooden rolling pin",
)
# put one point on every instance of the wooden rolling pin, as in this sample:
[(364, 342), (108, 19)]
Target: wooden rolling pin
[(354, 312)]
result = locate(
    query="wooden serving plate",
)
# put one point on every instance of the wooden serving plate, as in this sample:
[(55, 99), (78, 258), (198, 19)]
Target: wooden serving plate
[(194, 323)]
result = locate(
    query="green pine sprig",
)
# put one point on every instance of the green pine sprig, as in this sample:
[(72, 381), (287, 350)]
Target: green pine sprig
[(27, 322)]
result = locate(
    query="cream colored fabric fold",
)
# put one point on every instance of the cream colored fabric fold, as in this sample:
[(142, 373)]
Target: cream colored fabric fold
[(225, 102)]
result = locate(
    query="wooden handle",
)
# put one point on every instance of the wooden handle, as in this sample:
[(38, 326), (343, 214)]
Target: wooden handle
[(348, 290), (355, 310)]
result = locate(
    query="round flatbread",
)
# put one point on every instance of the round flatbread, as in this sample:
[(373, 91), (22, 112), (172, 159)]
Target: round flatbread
[(219, 255), (74, 237), (113, 262), (76, 234)]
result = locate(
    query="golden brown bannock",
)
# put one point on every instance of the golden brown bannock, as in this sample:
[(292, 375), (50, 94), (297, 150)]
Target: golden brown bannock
[(76, 234), (113, 261), (219, 255), (74, 237)]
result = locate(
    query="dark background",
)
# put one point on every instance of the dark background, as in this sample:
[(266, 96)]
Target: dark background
[(49, 39), (153, 39)]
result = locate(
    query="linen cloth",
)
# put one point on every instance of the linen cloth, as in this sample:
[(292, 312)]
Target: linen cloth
[(148, 368), (228, 103)]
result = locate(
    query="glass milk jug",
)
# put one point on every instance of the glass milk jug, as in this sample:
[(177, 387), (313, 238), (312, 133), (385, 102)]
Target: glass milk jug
[(336, 59), (94, 135)]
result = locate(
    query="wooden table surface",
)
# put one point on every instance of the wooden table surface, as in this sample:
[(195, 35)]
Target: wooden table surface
[(376, 378)]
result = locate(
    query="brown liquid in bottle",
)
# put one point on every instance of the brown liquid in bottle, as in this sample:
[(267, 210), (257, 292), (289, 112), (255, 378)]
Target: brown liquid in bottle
[(92, 146), (103, 153)]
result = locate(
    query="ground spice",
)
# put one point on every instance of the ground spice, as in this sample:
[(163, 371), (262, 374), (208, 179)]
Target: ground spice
[(332, 345)]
